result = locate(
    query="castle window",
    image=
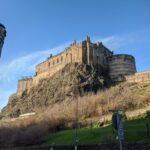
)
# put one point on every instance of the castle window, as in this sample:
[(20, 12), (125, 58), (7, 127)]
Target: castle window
[(98, 59), (61, 58), (57, 60), (53, 62), (49, 64)]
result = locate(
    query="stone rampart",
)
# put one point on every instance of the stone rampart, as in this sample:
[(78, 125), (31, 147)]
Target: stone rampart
[(24, 84), (139, 77)]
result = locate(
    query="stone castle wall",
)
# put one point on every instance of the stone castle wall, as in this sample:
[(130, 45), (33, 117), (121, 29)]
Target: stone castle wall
[(139, 77), (121, 65), (24, 84)]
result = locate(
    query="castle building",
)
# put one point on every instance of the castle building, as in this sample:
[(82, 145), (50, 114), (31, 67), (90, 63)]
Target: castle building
[(2, 36), (84, 52)]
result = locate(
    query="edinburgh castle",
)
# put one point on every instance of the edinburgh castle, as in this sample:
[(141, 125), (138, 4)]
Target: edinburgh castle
[(80, 68), (86, 52)]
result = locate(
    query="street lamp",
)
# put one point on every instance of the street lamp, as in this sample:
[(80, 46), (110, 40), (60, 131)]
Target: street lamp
[(75, 83), (118, 125)]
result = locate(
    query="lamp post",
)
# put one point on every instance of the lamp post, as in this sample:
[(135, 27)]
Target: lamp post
[(76, 135), (118, 125), (74, 84)]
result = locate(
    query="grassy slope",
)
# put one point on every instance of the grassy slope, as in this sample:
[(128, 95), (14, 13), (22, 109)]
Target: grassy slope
[(135, 130)]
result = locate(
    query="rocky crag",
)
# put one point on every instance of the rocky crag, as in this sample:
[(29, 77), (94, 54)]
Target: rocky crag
[(73, 80)]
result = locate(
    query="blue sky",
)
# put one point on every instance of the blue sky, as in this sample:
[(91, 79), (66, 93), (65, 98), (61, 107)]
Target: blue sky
[(36, 28)]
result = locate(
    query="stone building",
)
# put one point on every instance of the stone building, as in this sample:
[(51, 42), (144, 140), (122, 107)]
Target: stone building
[(2, 36), (84, 52)]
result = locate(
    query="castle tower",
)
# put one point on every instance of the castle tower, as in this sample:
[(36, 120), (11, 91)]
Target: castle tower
[(87, 38), (2, 36), (89, 54), (121, 65)]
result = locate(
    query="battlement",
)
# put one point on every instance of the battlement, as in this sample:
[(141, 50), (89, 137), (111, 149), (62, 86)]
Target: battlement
[(25, 78)]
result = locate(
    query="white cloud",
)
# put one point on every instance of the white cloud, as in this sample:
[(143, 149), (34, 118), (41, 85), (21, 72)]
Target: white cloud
[(11, 71), (25, 64), (117, 41)]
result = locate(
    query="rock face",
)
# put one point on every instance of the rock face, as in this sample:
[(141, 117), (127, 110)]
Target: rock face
[(73, 80)]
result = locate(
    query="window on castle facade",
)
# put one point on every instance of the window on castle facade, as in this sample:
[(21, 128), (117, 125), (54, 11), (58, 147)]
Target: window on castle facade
[(61, 58), (57, 60), (53, 62), (49, 64)]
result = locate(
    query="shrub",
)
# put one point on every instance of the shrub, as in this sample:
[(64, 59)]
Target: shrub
[(59, 116)]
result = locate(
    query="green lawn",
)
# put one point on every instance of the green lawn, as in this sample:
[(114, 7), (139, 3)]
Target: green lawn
[(135, 130)]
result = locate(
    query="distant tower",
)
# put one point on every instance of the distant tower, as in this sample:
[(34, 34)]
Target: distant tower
[(87, 38), (2, 36)]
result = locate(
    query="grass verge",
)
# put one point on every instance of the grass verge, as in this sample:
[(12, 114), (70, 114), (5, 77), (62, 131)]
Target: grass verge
[(135, 130)]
